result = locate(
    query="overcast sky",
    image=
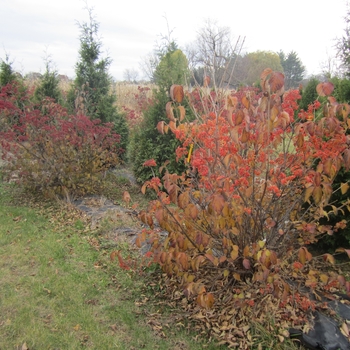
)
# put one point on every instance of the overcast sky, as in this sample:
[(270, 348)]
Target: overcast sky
[(31, 29)]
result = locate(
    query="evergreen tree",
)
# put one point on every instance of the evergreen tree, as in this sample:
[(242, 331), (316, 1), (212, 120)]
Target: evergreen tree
[(341, 89), (147, 142), (92, 92), (7, 74), (12, 84), (172, 68), (309, 94), (293, 69), (49, 85)]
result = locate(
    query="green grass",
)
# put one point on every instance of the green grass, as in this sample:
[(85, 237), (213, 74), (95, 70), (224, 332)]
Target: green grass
[(58, 292)]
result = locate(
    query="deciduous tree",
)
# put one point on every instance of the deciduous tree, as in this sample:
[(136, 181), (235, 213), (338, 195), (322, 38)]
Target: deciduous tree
[(255, 62), (343, 45), (215, 52)]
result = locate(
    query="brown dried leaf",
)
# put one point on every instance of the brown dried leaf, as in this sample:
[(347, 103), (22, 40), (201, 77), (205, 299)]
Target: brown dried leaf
[(300, 141), (265, 73), (206, 81), (346, 158), (308, 193), (344, 187), (317, 194), (169, 111), (263, 103), (245, 136), (177, 93), (234, 252), (182, 261), (329, 258), (182, 113), (205, 300), (245, 102), (113, 255), (160, 127), (192, 211), (126, 198), (172, 125), (212, 258), (232, 101), (304, 255), (239, 117)]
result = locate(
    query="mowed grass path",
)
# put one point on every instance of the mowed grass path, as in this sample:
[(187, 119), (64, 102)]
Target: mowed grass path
[(58, 292)]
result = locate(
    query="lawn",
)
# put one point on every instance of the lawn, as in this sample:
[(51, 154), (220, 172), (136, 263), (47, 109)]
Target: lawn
[(60, 291)]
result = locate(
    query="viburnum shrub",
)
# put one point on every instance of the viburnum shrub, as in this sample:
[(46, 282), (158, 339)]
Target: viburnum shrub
[(258, 183), (49, 150)]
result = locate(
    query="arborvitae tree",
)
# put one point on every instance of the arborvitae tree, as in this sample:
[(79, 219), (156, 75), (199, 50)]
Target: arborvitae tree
[(172, 68), (293, 69), (12, 84), (7, 74), (147, 142), (92, 92), (309, 94), (49, 85), (341, 89)]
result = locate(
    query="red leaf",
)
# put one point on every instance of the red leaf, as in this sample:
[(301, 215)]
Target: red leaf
[(246, 264), (217, 203), (324, 89), (265, 73), (122, 264), (276, 81), (150, 162)]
